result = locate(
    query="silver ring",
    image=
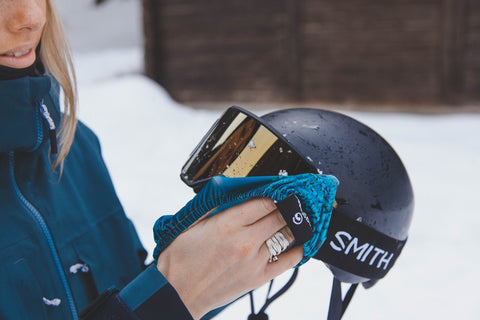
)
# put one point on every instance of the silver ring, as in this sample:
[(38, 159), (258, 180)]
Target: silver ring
[(276, 245)]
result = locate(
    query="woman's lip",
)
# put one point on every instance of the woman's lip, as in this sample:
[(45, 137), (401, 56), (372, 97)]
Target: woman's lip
[(18, 59), (21, 48), (16, 53)]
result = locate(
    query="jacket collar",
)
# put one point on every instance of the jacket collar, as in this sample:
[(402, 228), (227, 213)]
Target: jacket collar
[(22, 127)]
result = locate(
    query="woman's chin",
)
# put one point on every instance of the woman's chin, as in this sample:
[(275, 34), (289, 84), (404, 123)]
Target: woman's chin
[(20, 62)]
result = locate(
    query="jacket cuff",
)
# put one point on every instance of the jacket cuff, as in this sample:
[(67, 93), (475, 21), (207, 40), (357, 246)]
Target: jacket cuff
[(150, 295), (109, 305)]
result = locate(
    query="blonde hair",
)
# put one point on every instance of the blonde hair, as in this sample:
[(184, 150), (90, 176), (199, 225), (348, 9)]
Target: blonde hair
[(56, 57)]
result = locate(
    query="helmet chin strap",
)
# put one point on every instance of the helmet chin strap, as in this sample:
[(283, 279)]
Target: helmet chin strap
[(261, 315), (338, 304)]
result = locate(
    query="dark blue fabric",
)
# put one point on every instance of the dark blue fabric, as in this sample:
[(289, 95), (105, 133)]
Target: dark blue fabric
[(116, 309), (148, 297), (152, 297), (109, 306), (143, 287), (19, 102), (169, 301), (82, 212)]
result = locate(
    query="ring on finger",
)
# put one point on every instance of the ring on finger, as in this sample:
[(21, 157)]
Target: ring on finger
[(276, 245)]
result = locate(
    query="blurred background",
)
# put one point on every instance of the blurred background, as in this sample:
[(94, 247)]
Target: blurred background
[(408, 55), (310, 51), (153, 76)]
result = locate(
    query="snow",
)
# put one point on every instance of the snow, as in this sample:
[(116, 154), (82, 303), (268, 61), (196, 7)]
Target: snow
[(146, 137)]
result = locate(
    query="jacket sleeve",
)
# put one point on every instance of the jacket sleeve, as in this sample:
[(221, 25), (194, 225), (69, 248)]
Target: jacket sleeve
[(148, 296)]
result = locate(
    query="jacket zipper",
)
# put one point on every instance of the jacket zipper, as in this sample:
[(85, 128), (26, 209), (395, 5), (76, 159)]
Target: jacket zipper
[(38, 128), (37, 217), (51, 127)]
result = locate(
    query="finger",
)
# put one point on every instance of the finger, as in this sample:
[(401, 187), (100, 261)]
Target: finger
[(278, 245), (286, 260), (266, 227), (252, 210), (288, 234)]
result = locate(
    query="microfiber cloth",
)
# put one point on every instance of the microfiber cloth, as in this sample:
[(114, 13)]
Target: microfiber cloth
[(315, 191)]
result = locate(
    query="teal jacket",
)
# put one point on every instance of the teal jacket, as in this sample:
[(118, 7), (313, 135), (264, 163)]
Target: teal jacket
[(64, 241)]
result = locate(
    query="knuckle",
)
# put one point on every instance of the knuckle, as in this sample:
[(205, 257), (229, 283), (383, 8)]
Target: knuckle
[(267, 204), (279, 219), (288, 234)]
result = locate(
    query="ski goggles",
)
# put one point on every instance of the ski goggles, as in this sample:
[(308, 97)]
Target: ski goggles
[(240, 144)]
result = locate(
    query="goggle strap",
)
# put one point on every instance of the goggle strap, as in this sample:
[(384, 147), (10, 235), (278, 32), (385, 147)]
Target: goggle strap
[(358, 248)]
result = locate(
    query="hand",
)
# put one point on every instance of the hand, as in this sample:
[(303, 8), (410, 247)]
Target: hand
[(223, 257)]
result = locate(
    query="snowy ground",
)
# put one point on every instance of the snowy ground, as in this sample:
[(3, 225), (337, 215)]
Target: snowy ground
[(146, 137)]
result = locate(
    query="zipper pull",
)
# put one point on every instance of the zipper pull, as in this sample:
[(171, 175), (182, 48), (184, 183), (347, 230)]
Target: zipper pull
[(51, 128)]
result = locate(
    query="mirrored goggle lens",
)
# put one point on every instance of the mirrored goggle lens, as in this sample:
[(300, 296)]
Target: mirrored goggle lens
[(239, 145)]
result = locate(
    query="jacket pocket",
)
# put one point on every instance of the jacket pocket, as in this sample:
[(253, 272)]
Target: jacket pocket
[(112, 252), (21, 296)]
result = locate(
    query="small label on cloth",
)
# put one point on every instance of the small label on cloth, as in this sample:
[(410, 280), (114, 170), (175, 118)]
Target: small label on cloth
[(297, 219)]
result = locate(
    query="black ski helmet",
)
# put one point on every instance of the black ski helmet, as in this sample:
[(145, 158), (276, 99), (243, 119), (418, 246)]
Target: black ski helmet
[(370, 223), (374, 190)]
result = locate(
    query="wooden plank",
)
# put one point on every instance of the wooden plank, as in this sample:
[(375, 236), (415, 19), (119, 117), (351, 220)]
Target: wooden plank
[(452, 54), (472, 51), (294, 59), (233, 46), (370, 50)]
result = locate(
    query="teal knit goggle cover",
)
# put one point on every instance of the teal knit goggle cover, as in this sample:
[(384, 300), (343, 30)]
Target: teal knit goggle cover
[(315, 191)]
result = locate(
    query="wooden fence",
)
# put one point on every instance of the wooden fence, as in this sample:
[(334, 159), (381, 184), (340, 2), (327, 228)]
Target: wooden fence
[(381, 51)]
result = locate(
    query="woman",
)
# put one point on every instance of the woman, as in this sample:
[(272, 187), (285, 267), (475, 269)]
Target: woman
[(65, 244)]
